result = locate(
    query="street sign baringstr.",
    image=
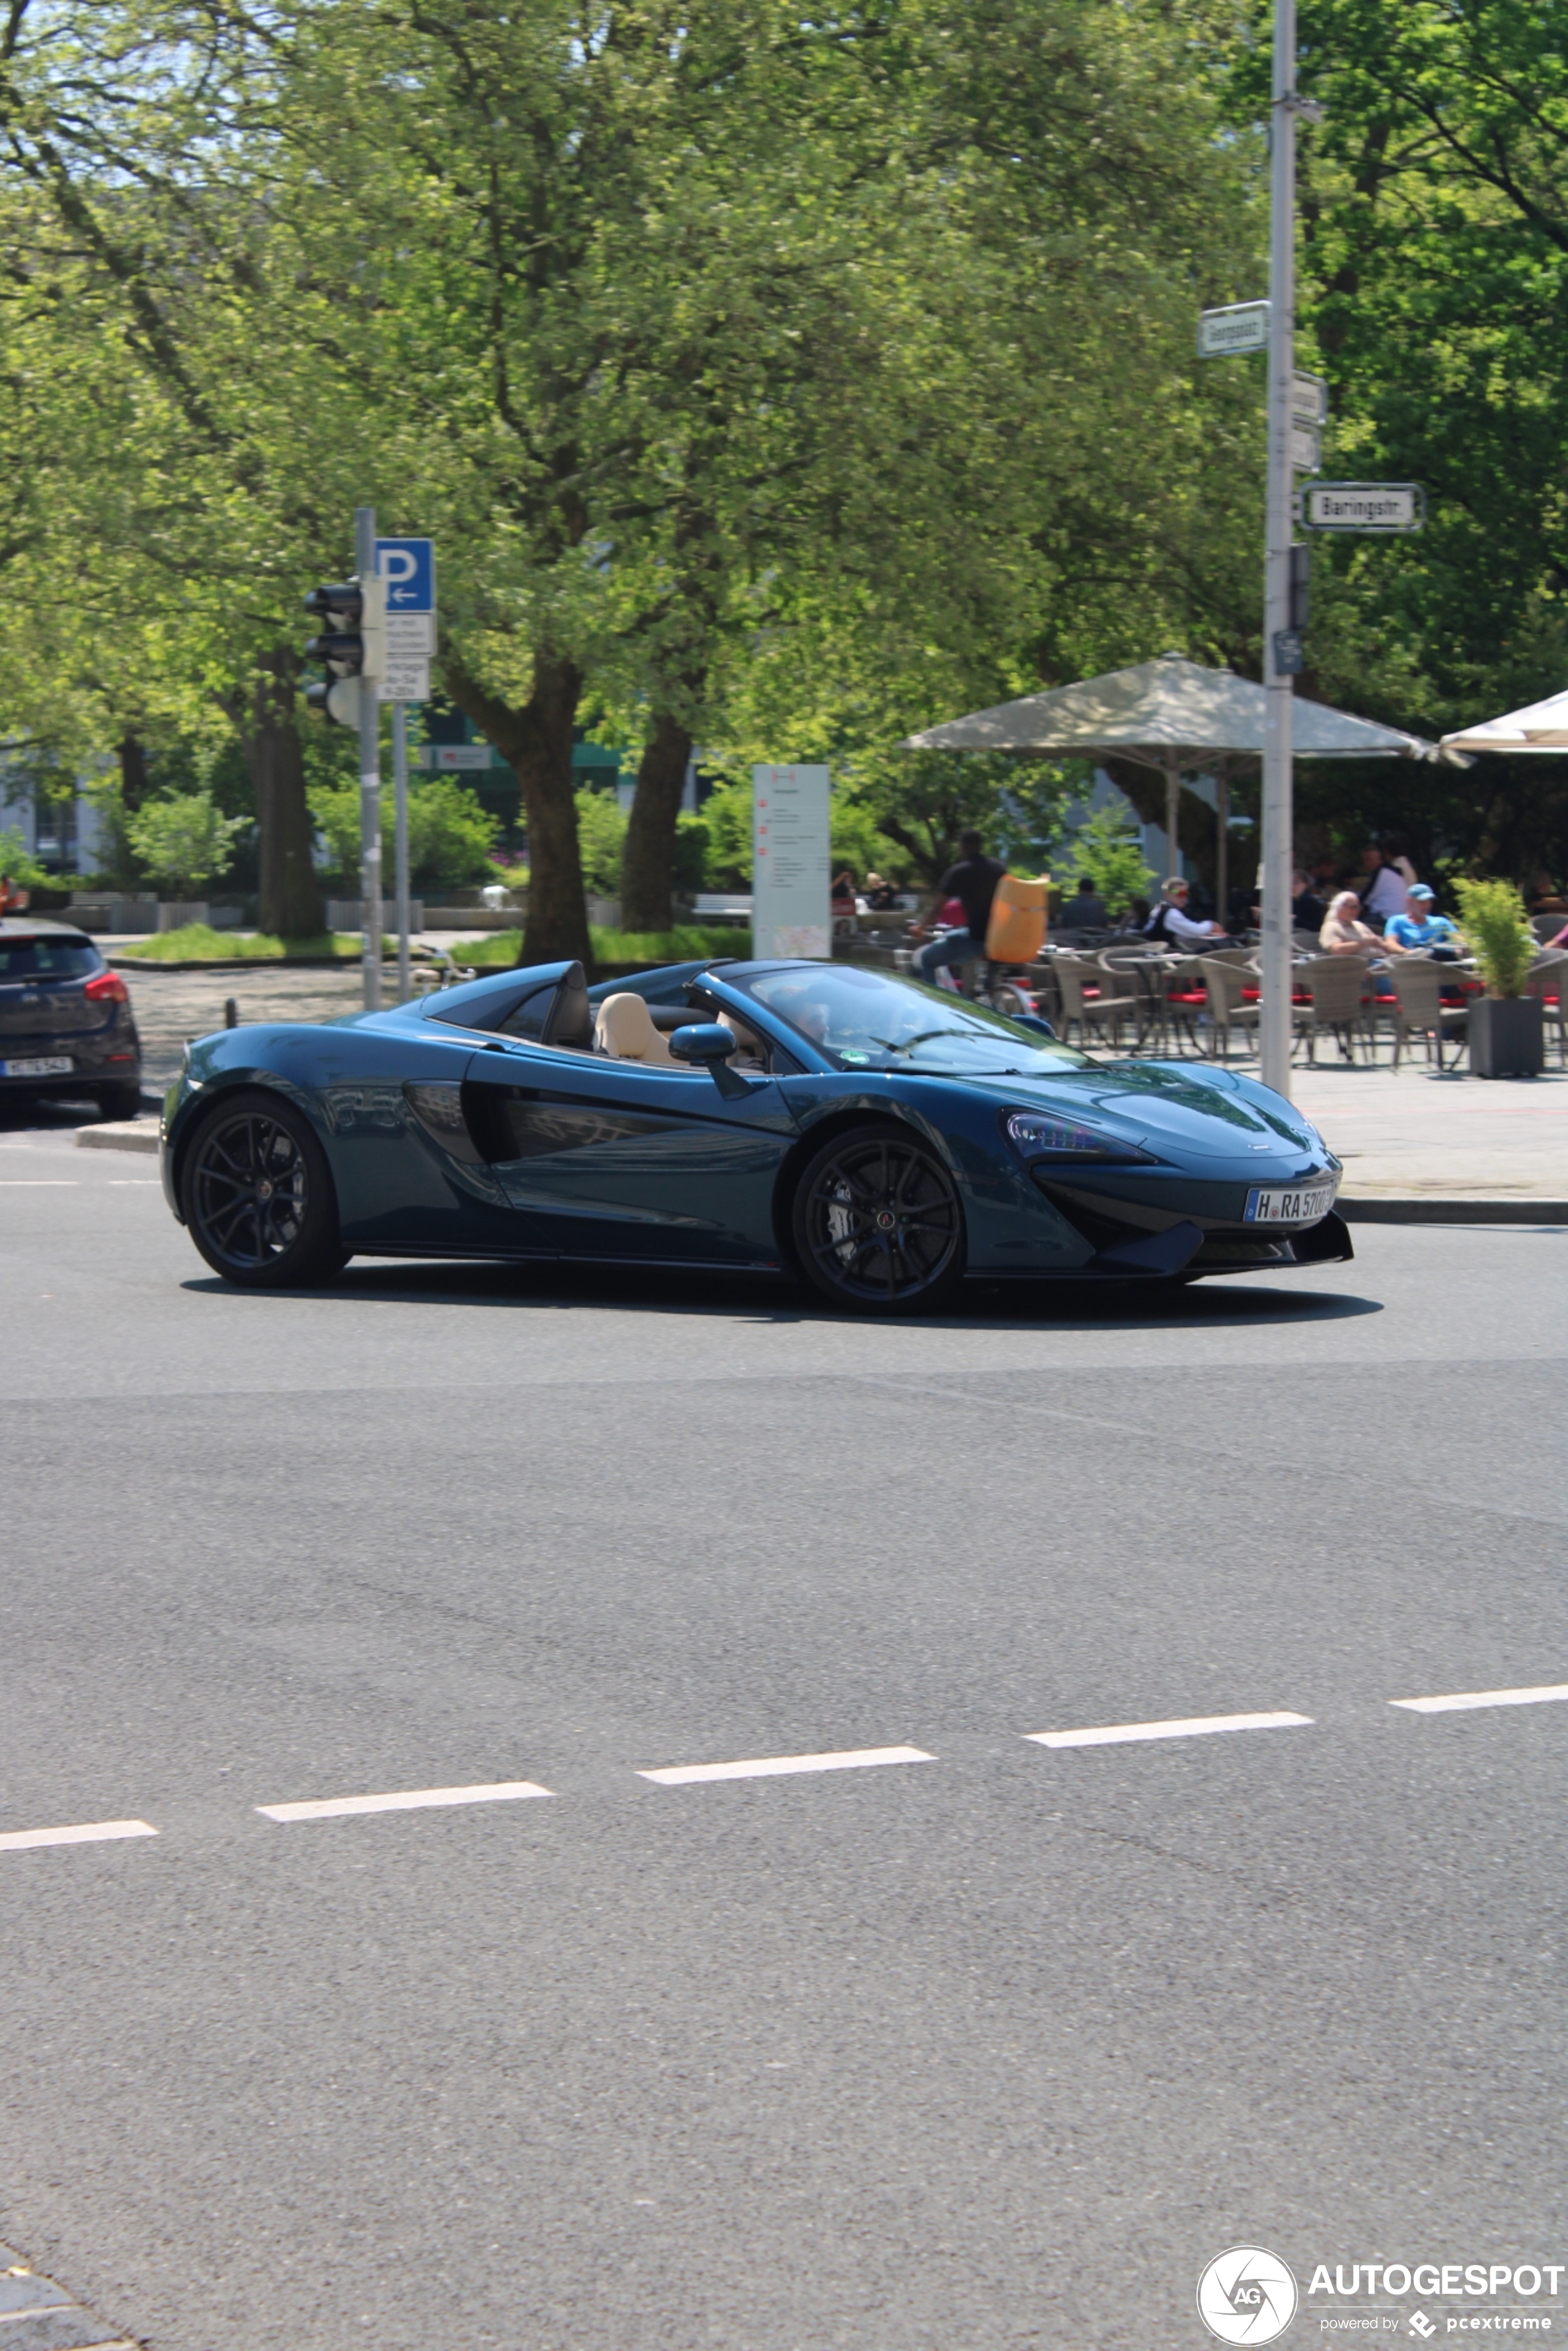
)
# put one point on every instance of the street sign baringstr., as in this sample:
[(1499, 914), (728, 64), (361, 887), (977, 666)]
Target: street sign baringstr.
[(1363, 505), (1241, 327)]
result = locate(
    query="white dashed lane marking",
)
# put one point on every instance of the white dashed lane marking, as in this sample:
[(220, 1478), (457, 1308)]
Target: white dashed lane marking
[(773, 1767), (1462, 1701), (38, 1183), (87, 1833), (405, 1800), (1116, 1734)]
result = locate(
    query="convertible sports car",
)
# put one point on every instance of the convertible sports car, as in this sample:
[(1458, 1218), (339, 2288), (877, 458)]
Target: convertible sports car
[(883, 1138)]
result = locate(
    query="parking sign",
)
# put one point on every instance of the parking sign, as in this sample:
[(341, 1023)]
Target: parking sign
[(408, 566)]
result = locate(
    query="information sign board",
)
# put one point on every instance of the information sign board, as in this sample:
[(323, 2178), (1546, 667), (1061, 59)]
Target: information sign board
[(790, 880), (1309, 398), (1241, 327), (406, 568), (1363, 505), (1306, 447)]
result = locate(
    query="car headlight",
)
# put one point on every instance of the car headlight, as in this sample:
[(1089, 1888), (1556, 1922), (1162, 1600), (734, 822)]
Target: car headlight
[(1035, 1135)]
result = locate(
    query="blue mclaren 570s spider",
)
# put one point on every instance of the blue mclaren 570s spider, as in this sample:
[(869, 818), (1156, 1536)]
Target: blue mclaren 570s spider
[(883, 1140)]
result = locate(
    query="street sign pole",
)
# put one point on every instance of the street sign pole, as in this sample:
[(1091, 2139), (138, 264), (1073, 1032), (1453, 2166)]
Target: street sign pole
[(400, 787), (370, 780), (1274, 1025)]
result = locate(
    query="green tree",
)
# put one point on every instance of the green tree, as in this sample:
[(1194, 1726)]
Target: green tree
[(450, 836), (184, 840), (1107, 851), (1434, 295)]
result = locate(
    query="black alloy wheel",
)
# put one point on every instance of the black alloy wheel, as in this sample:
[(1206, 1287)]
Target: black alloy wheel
[(877, 1222), (257, 1196)]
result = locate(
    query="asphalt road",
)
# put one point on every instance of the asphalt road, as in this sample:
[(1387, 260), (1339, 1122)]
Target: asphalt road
[(995, 2049)]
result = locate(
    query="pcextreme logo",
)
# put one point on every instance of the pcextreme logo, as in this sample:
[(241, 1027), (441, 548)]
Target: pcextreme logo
[(1247, 2295)]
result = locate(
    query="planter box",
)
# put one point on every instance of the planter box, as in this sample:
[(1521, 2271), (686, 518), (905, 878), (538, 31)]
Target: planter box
[(173, 913), (473, 919), (101, 914), (1507, 1036), (343, 915)]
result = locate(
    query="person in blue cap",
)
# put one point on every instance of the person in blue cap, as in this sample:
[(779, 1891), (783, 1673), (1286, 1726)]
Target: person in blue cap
[(1419, 931)]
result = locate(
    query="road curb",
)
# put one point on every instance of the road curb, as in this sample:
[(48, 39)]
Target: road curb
[(1421, 1211), (117, 1138)]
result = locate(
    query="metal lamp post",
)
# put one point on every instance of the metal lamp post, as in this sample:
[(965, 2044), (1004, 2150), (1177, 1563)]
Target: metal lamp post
[(1274, 1024)]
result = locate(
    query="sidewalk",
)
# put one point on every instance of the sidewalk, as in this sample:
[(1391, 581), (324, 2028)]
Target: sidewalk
[(1406, 1136), (1411, 1136)]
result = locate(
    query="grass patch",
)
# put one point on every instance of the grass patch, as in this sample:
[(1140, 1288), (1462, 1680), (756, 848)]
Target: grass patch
[(685, 945), (199, 942)]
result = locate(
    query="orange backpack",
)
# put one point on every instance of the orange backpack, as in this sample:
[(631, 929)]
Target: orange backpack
[(1015, 930)]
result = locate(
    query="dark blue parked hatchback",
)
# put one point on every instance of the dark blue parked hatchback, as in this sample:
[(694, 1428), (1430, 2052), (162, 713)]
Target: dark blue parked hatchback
[(65, 1018)]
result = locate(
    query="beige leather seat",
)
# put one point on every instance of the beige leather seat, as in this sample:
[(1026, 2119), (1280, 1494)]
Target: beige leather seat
[(749, 1046), (624, 1029)]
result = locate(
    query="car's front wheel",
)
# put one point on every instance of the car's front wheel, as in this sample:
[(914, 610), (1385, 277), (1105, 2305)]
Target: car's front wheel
[(877, 1222), (257, 1196)]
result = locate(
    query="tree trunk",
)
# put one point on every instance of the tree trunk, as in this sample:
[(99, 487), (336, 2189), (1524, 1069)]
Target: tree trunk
[(133, 779), (291, 905), (647, 865), (1146, 788), (535, 743)]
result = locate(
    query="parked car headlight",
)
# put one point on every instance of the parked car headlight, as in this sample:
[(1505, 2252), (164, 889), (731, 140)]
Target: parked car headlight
[(1035, 1134)]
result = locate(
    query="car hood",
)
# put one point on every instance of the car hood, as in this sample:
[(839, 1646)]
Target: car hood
[(1174, 1109)]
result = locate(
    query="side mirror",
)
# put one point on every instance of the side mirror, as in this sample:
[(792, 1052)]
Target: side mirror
[(705, 1042)]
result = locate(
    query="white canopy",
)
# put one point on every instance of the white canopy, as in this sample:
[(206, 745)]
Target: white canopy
[(1540, 726), (1169, 713)]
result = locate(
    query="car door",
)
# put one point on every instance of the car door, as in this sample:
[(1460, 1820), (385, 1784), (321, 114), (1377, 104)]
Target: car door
[(608, 1158)]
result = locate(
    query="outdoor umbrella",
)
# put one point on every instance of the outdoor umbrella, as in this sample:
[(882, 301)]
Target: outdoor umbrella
[(1540, 726), (1173, 714)]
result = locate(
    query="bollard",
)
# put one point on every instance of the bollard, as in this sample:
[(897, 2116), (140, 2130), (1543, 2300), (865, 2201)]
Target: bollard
[(231, 1013)]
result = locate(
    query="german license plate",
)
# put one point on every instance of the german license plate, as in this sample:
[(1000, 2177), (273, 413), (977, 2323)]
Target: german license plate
[(1302, 1205), (57, 1065)]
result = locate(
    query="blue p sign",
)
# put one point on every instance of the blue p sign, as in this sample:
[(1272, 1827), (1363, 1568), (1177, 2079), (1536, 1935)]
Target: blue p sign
[(408, 566)]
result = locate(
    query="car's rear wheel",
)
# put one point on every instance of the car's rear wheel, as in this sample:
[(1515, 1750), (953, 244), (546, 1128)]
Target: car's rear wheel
[(120, 1101), (257, 1196), (877, 1222)]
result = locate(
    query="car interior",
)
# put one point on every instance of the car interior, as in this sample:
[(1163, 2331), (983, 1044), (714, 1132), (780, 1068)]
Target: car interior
[(556, 1010)]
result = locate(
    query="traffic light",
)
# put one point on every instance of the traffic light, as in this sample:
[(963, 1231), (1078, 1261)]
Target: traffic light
[(352, 646)]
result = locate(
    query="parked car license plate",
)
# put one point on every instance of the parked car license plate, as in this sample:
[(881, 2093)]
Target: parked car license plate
[(1303, 1205), (58, 1065)]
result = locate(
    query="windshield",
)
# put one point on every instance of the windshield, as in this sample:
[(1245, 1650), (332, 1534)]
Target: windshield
[(876, 1020)]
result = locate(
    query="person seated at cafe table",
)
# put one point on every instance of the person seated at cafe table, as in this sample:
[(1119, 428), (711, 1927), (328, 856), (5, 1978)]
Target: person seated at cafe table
[(1419, 931), (1343, 932), (881, 898), (1085, 910), (1170, 924)]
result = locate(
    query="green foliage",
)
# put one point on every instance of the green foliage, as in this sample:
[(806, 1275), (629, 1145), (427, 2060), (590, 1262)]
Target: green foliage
[(1107, 848), (450, 835), (684, 944), (183, 840), (690, 861), (199, 942), (1497, 933), (18, 861), (601, 837), (921, 801)]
